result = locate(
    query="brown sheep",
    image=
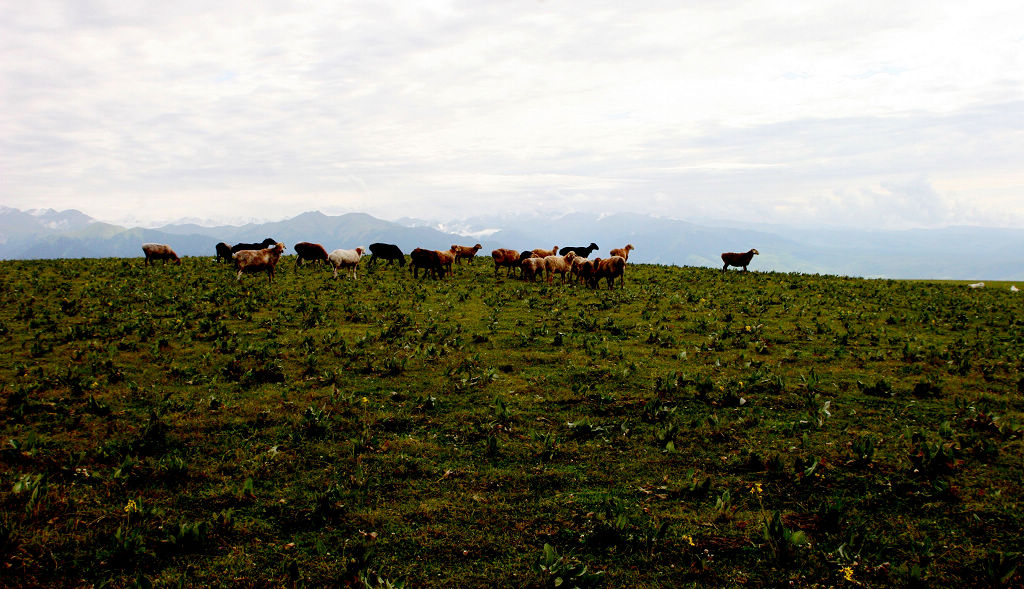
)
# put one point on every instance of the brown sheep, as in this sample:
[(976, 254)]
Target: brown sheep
[(558, 265), (623, 252), (545, 253), (507, 258), (585, 271), (735, 259), (532, 267), (429, 260), (609, 269), (311, 252), (264, 260), (159, 251), (464, 252), (581, 267), (446, 258)]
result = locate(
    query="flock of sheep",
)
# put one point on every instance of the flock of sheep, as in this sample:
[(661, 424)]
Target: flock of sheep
[(531, 264)]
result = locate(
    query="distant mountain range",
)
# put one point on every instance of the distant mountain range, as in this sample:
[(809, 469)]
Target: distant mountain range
[(960, 253)]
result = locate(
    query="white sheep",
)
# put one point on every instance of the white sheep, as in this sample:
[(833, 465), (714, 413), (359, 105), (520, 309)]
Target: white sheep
[(559, 265), (532, 267), (346, 259)]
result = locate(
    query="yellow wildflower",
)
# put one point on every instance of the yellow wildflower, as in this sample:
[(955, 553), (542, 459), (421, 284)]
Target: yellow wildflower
[(847, 572), (689, 539), (756, 489), (365, 400), (132, 507)]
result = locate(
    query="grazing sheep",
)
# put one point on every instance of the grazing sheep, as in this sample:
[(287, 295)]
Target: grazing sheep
[(735, 259), (159, 251), (385, 251), (346, 259), (463, 252), (223, 252), (505, 257), (429, 260), (977, 285), (558, 265), (623, 252), (1013, 288), (585, 271), (527, 254), (532, 267), (268, 242), (609, 269), (545, 253), (579, 268), (446, 258), (311, 252), (261, 260), (582, 252)]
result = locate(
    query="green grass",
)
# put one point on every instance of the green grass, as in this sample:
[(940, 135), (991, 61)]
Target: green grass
[(171, 426)]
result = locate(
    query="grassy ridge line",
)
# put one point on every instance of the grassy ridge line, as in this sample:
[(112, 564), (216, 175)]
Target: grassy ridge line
[(445, 431)]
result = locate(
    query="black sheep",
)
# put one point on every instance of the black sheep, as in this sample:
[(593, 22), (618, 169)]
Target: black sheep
[(268, 242), (385, 251), (223, 252), (583, 252)]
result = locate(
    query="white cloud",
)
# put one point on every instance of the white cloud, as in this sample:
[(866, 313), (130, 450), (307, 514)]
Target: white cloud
[(749, 109)]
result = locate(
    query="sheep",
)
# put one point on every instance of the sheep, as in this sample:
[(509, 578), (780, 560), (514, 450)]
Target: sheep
[(1013, 288), (505, 257), (346, 259), (558, 265), (578, 268), (445, 258), (584, 271), (545, 253), (311, 252), (429, 260), (159, 251), (223, 252), (609, 269), (267, 243), (385, 251), (532, 267), (261, 260), (977, 285), (623, 252), (582, 252), (735, 259), (465, 252)]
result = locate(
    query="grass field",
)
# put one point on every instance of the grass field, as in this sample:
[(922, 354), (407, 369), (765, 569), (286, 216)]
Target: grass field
[(170, 426)]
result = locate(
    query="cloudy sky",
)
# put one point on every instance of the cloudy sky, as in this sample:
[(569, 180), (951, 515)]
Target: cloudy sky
[(869, 113)]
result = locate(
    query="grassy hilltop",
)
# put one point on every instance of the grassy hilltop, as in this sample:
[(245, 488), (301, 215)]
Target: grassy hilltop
[(170, 426)]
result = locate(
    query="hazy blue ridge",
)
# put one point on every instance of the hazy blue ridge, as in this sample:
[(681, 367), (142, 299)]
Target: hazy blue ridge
[(957, 253)]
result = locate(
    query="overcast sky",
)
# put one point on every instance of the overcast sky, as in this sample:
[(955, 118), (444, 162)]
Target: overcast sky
[(869, 113)]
